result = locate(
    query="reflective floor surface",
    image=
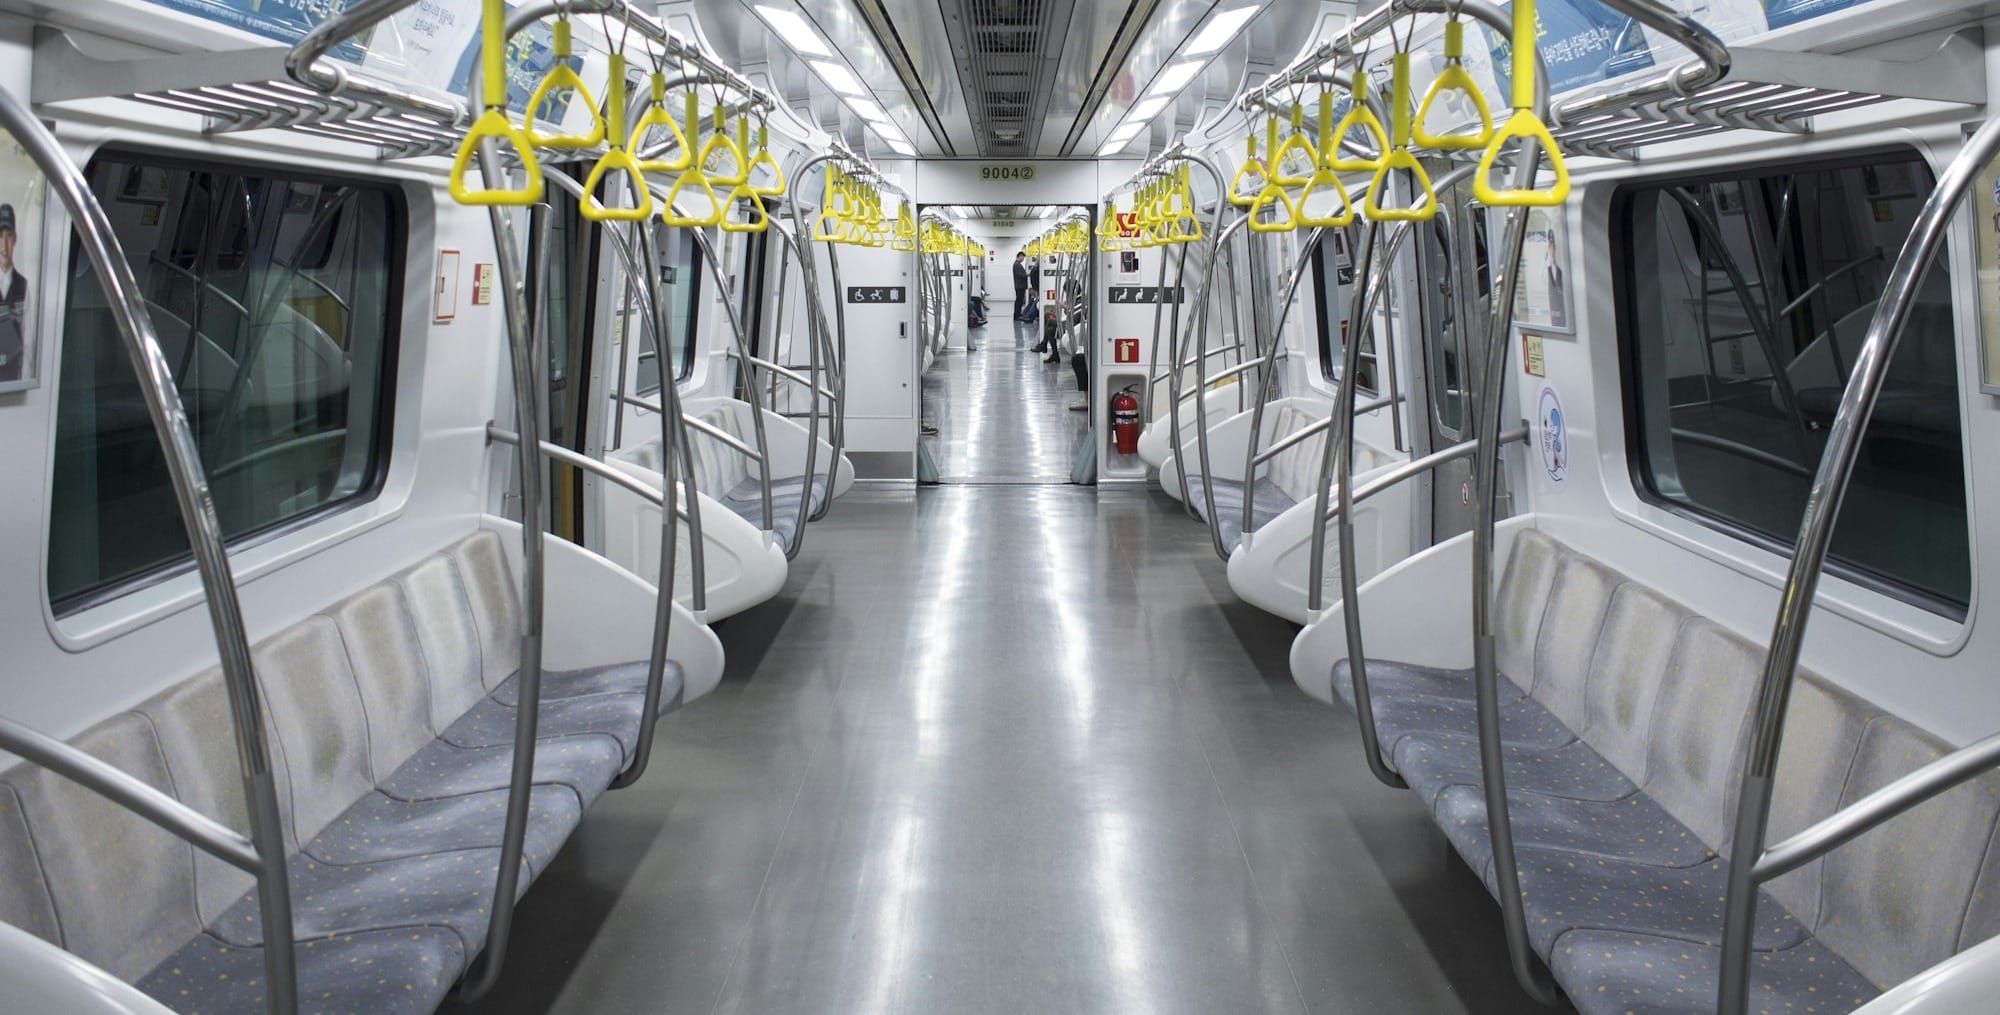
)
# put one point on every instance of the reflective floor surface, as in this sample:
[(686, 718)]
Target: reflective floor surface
[(1007, 749), (1002, 413)]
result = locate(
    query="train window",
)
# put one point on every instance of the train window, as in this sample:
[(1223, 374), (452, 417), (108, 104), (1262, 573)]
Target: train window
[(1743, 302), (1333, 275), (276, 299), (681, 268)]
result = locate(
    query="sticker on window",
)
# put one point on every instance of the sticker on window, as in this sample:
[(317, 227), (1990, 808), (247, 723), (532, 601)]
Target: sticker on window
[(1554, 435)]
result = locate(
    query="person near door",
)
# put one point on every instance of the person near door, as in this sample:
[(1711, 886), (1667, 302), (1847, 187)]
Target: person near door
[(1024, 304)]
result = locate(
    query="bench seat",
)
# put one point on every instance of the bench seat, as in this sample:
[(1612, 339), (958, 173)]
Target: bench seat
[(1272, 501), (1625, 719), (390, 720)]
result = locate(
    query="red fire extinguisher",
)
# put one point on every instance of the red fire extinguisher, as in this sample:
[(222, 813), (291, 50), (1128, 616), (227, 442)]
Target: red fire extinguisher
[(1125, 422)]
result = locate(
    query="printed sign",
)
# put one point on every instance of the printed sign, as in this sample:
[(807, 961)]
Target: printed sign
[(876, 294), (949, 272), (482, 284), (1532, 362), (444, 302), (1779, 13), (1147, 294), (530, 55), (1006, 172), (1553, 432), (1986, 228), (23, 190), (1124, 350)]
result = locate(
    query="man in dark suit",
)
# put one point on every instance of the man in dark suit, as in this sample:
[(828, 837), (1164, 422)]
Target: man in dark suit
[(13, 302)]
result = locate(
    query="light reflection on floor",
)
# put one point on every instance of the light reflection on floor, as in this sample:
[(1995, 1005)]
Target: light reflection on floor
[(1002, 413)]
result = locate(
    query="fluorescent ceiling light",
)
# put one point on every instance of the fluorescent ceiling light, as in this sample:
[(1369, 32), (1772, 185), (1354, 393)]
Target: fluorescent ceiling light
[(842, 79), (868, 108), (1145, 111), (1176, 77), (793, 29), (1114, 146), (1221, 28), (1127, 132)]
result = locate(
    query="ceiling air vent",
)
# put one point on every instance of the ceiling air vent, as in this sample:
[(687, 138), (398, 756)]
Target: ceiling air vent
[(1003, 47)]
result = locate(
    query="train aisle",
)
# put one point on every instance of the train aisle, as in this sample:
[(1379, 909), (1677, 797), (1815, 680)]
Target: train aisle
[(1007, 749), (1002, 414)]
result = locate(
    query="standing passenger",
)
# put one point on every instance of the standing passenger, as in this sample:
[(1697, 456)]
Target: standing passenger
[(1021, 304)]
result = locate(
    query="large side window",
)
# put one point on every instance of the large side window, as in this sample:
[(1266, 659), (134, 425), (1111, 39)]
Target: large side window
[(681, 270), (275, 297), (1333, 275), (1743, 303)]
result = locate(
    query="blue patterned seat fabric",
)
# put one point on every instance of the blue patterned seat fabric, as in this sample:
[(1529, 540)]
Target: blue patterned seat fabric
[(391, 719), (1271, 502), (1624, 720), (746, 499)]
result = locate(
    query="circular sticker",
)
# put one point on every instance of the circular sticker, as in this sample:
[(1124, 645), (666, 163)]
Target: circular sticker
[(1554, 428)]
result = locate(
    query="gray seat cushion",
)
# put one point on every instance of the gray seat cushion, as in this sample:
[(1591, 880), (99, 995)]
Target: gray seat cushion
[(1639, 974), (386, 972), (746, 499), (1569, 891), (1434, 762), (1271, 501), (1634, 829)]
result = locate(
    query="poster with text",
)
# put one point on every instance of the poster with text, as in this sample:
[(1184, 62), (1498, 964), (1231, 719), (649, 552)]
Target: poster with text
[(1583, 42), (283, 20), (1542, 292), (23, 190), (1986, 229)]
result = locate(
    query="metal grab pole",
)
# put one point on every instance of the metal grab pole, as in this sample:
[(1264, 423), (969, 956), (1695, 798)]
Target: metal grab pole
[(1267, 374), (1201, 393), (1176, 340), (1153, 347), (196, 506), (1491, 403), (485, 970), (715, 271), (809, 276), (836, 354), (812, 428), (1816, 525)]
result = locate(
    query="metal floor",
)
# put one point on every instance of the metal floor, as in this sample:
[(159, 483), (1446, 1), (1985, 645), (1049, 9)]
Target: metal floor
[(1002, 414), (1007, 749)]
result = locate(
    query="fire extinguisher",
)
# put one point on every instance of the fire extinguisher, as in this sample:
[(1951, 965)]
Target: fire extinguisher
[(1125, 421)]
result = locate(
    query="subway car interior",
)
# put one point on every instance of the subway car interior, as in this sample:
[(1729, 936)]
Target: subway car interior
[(999, 506)]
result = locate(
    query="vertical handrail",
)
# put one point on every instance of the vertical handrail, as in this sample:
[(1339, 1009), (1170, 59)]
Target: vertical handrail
[(812, 427), (1200, 338), (1176, 372), (485, 970), (716, 272), (1267, 377), (836, 357), (196, 507), (1153, 347), (1816, 524)]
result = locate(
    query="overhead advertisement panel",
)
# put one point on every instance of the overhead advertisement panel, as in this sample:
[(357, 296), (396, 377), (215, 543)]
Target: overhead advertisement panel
[(283, 20)]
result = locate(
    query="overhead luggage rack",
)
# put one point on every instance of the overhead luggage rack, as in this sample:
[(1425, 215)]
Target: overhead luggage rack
[(292, 88), (1719, 88)]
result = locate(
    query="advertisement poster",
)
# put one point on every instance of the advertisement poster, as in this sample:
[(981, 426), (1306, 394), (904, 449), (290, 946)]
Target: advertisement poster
[(22, 192), (1779, 13), (283, 20), (1542, 298), (530, 54), (1583, 42), (1986, 229)]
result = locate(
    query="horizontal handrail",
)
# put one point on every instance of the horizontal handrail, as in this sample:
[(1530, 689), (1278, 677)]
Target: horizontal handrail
[(588, 464), (1219, 377), (791, 375), (711, 430), (1415, 466), (1318, 425), (127, 791), (1851, 821)]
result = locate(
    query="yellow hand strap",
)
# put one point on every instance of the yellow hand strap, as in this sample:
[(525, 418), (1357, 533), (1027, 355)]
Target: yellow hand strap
[(1358, 115), (695, 179), (493, 122), (617, 159), (1397, 156), (763, 159), (1523, 125), (1453, 78), (1295, 143), (720, 141), (561, 77), (656, 115), (1272, 198), (759, 220), (1251, 167)]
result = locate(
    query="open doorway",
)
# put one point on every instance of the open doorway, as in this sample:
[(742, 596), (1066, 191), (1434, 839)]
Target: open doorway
[(1005, 392)]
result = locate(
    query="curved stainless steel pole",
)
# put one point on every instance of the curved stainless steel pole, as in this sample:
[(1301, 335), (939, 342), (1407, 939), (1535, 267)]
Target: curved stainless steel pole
[(1267, 375), (836, 356), (1175, 371), (485, 970), (743, 359), (812, 426), (1816, 526), (1153, 348), (809, 275), (196, 506), (1201, 394)]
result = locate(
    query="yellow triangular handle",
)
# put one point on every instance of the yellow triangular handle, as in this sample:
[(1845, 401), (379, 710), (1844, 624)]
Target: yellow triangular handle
[(759, 219), (562, 77), (656, 115), (693, 177), (1523, 125), (495, 124), (617, 160), (720, 141), (1273, 195), (1358, 115), (1453, 78), (1296, 142), (1322, 180), (1397, 157), (1251, 167), (762, 159)]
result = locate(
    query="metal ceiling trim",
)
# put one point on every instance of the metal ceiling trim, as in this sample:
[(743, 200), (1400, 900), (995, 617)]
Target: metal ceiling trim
[(891, 41), (1137, 16)]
